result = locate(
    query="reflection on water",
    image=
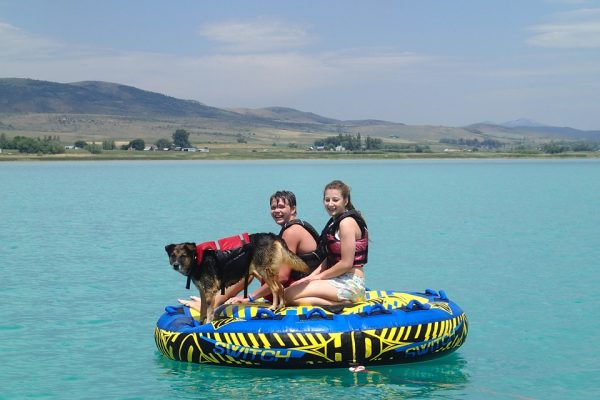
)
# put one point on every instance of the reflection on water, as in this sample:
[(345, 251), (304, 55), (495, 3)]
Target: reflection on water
[(405, 381)]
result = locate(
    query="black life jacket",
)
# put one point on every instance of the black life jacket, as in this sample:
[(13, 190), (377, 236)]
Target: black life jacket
[(312, 259)]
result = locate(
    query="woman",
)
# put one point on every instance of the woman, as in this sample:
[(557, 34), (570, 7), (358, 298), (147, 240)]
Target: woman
[(340, 277)]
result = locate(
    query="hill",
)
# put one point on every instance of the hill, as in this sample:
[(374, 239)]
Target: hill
[(93, 110), (287, 115), (32, 96)]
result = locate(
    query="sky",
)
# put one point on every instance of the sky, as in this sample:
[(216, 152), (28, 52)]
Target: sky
[(418, 62)]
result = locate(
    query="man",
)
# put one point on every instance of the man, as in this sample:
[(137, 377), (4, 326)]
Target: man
[(299, 236)]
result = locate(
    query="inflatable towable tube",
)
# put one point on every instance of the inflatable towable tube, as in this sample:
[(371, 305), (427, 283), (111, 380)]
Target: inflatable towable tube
[(389, 328)]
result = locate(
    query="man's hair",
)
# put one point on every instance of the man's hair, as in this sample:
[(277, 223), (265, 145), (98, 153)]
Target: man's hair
[(285, 195)]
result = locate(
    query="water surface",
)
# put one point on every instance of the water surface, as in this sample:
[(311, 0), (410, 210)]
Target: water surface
[(84, 275)]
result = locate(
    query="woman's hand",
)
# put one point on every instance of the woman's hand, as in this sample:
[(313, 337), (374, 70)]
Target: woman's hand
[(306, 279), (238, 300)]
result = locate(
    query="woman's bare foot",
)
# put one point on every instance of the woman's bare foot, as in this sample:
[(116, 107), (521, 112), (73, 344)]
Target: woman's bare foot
[(194, 303)]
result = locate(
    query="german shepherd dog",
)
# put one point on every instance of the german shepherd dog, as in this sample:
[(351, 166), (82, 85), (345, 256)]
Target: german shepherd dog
[(266, 253)]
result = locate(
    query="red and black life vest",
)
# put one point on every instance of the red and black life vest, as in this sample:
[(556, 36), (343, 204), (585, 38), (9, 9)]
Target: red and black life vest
[(227, 251), (333, 245)]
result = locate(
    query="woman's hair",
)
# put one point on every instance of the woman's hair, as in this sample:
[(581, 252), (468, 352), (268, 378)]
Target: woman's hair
[(344, 189), (287, 197)]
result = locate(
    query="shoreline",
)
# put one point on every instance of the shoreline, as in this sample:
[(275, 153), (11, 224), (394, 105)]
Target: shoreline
[(285, 155)]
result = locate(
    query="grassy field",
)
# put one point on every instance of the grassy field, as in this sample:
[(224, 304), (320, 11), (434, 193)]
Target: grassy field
[(247, 152), (244, 143)]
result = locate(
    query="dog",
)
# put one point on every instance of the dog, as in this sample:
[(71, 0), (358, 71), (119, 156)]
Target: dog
[(261, 256)]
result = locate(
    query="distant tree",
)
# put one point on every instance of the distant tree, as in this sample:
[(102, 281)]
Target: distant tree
[(26, 144), (94, 148), (448, 141), (54, 147), (163, 143), (349, 142), (554, 148), (81, 144), (486, 143), (373, 143), (3, 141), (31, 145), (109, 145), (137, 144), (583, 146), (181, 138)]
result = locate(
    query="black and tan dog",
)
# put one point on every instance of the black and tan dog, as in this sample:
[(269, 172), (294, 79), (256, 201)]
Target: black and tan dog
[(211, 270)]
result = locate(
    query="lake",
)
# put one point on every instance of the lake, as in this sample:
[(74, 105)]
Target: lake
[(84, 274)]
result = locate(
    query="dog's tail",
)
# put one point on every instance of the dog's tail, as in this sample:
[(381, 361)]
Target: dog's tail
[(293, 261)]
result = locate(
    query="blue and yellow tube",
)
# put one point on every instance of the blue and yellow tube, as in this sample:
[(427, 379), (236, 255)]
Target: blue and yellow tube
[(389, 328)]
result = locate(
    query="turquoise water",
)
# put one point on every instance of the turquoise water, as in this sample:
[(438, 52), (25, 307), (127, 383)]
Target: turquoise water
[(84, 275)]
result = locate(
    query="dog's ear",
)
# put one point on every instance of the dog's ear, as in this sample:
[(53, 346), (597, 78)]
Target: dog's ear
[(169, 248), (190, 246)]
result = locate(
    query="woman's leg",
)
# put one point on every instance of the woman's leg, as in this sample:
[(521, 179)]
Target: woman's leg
[(316, 292), (315, 301)]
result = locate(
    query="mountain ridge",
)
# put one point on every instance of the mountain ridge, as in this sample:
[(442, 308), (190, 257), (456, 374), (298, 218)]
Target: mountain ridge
[(21, 97)]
